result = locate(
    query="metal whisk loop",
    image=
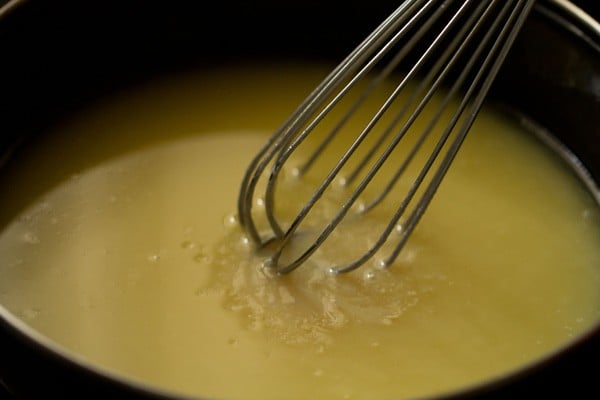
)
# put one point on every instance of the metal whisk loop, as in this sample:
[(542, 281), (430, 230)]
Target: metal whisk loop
[(449, 47), (290, 128)]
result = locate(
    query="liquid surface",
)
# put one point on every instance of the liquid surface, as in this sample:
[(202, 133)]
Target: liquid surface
[(126, 252)]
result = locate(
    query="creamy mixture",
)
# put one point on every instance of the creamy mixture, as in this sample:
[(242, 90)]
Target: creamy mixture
[(119, 243)]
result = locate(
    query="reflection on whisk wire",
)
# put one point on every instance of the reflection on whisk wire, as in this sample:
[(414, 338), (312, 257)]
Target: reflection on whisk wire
[(451, 47)]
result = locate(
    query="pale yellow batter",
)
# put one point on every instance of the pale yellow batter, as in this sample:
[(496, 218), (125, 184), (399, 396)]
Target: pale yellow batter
[(119, 243)]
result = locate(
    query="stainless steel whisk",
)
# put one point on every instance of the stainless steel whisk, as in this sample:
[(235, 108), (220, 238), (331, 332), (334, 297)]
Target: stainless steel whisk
[(452, 47)]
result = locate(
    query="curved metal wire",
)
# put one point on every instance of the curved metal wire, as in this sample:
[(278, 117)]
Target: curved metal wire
[(451, 47)]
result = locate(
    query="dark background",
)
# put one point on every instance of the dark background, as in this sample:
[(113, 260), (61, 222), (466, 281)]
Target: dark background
[(592, 7)]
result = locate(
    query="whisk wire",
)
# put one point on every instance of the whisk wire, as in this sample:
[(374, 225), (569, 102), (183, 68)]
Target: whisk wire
[(510, 30), (423, 84), (365, 182), (282, 136), (377, 80), (442, 61), (299, 138), (405, 21), (299, 117)]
